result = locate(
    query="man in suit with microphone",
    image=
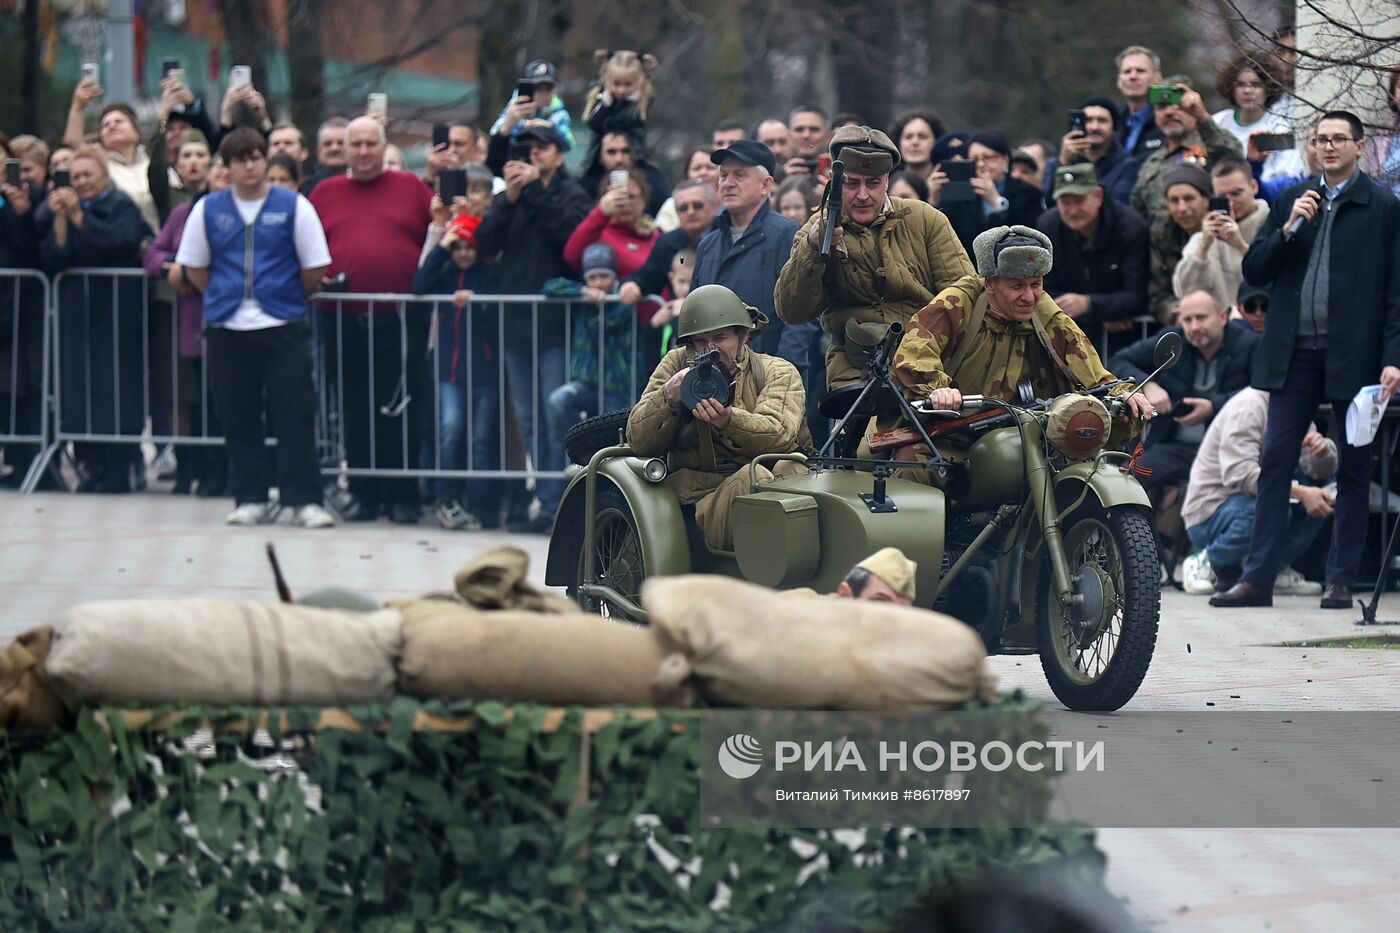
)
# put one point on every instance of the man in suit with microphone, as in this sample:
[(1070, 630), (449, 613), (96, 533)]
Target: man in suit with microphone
[(1330, 255)]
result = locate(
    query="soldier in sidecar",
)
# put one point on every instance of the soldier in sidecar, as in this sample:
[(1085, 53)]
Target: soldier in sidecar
[(711, 426)]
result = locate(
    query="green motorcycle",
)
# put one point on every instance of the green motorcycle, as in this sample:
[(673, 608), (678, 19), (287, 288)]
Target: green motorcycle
[(1038, 537)]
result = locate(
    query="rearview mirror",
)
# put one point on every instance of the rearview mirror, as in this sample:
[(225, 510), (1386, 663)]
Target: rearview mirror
[(1167, 352)]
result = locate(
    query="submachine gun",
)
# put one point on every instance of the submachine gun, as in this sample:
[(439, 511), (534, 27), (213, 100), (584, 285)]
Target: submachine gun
[(833, 206)]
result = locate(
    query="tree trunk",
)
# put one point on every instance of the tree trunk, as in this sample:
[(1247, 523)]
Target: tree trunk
[(245, 44), (862, 47), (306, 61), (29, 75)]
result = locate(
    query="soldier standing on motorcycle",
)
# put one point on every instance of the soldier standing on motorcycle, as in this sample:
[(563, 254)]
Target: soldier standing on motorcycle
[(889, 257), (988, 332), (708, 447)]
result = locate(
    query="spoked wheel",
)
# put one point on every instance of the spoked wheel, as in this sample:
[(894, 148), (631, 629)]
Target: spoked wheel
[(617, 556), (1096, 653)]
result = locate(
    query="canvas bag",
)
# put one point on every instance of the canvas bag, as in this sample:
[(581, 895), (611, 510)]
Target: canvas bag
[(223, 651), (455, 652), (740, 643)]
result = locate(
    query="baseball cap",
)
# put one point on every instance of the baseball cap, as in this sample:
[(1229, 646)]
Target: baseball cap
[(599, 257), (748, 151), (464, 225), (1076, 179), (539, 71), (540, 132), (1247, 292)]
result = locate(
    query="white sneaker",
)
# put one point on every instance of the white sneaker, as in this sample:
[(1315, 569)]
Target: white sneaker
[(250, 513), (312, 515), (1197, 577), (1290, 582)]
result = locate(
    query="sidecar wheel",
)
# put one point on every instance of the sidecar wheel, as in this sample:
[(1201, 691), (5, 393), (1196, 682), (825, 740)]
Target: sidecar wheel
[(1098, 660), (617, 555), (591, 435)]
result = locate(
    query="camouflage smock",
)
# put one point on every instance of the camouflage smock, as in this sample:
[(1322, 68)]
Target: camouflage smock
[(766, 419), (880, 273), (1003, 353)]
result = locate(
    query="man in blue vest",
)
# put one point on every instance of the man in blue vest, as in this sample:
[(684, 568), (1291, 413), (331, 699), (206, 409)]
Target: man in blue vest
[(257, 251)]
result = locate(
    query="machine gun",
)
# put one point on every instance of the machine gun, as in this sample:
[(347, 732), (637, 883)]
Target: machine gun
[(854, 405), (833, 206)]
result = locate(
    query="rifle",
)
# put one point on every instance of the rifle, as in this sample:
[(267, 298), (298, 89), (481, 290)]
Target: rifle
[(284, 592), (833, 206)]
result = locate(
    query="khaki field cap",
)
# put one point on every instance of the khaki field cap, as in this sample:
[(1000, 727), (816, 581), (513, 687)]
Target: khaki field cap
[(1076, 179), (864, 151), (711, 307), (1012, 252), (890, 565)]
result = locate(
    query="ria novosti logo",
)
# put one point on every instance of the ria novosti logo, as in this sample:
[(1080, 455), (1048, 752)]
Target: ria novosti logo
[(740, 756)]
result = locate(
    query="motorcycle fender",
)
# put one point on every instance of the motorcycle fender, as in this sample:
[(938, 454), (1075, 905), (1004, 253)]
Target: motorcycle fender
[(665, 547), (1107, 483)]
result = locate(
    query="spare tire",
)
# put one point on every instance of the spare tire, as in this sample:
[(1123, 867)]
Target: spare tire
[(591, 435)]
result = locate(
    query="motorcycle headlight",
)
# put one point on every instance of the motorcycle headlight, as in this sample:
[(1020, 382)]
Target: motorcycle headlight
[(1077, 426)]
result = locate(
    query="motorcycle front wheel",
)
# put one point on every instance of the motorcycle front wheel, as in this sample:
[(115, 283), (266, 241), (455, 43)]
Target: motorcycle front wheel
[(1095, 656), (617, 556)]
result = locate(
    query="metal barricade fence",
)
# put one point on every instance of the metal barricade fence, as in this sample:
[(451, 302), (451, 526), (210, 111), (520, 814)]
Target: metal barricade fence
[(409, 387), (415, 387), (1146, 326), (121, 373), (24, 373)]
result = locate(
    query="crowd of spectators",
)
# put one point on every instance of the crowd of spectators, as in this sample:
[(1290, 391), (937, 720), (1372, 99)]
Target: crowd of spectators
[(1150, 200)]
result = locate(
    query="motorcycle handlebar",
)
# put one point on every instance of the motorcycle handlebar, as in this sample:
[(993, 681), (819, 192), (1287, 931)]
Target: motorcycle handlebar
[(970, 404)]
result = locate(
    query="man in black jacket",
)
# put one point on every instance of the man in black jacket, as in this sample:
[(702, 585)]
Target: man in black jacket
[(1096, 143), (1001, 199), (1331, 253), (528, 225), (1100, 273), (1214, 365)]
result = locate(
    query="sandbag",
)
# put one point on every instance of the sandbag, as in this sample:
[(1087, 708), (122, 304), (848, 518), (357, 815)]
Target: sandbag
[(496, 579), (748, 645), (27, 697), (455, 652), (223, 651)]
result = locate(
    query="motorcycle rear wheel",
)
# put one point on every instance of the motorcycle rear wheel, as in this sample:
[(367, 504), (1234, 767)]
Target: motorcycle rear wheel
[(1098, 664)]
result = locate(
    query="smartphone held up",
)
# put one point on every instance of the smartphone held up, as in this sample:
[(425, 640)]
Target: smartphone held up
[(378, 104)]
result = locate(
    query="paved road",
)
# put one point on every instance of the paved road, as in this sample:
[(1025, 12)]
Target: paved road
[(57, 550)]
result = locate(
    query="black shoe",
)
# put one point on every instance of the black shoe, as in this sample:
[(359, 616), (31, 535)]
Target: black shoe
[(1226, 577), (540, 525), (405, 513), (1241, 595), (1336, 596)]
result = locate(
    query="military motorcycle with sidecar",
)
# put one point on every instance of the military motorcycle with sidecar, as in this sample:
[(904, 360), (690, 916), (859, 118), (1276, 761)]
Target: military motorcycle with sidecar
[(1036, 534)]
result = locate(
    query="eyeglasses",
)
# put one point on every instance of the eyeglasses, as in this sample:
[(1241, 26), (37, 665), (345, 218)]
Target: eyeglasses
[(1332, 142), (692, 206), (1249, 85), (1255, 306)]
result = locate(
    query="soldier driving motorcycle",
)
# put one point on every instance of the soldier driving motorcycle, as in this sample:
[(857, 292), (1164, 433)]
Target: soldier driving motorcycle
[(987, 333)]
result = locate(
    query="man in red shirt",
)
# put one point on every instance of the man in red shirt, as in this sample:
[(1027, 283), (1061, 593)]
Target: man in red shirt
[(375, 221)]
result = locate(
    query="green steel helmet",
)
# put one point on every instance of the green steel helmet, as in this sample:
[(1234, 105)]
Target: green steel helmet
[(711, 307)]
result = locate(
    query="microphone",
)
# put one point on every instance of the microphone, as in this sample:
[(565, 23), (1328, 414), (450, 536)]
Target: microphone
[(1297, 224)]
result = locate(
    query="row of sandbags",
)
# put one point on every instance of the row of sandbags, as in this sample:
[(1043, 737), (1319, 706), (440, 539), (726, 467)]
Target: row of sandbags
[(712, 639)]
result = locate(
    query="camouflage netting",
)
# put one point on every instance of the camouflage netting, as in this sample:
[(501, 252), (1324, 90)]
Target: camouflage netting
[(436, 816)]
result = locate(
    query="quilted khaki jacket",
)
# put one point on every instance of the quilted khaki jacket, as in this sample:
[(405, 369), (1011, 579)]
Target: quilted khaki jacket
[(767, 417)]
